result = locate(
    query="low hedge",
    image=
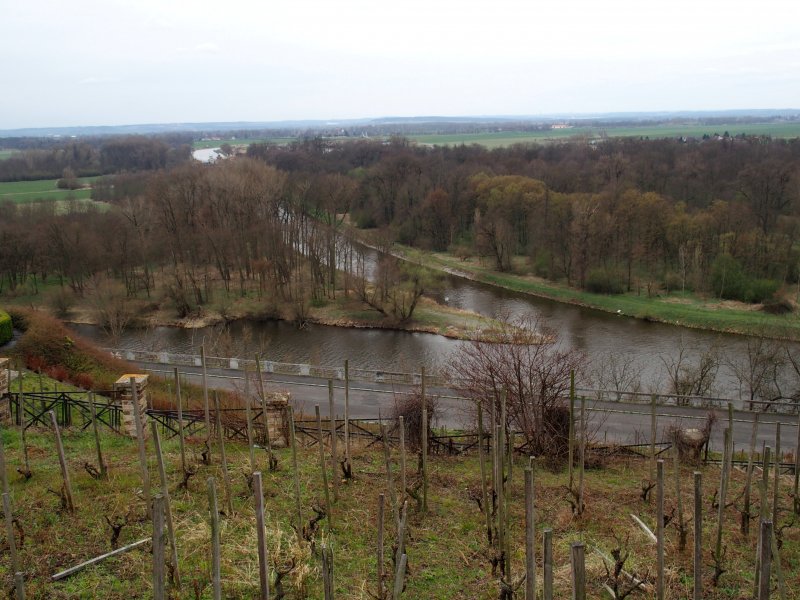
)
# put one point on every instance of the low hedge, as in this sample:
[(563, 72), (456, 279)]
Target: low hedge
[(6, 328)]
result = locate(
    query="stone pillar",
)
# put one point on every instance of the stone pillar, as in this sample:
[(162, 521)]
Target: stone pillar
[(124, 394), (5, 387), (4, 382), (277, 418)]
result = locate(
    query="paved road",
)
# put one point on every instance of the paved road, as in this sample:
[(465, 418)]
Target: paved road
[(612, 421)]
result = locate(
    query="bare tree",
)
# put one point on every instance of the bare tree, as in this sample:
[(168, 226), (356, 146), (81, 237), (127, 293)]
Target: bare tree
[(617, 373), (758, 370), (689, 375), (526, 360), (113, 308)]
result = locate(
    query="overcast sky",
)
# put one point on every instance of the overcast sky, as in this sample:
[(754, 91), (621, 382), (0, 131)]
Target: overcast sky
[(112, 62)]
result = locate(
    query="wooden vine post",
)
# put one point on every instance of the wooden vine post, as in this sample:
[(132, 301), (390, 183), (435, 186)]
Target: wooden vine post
[(213, 509), (334, 453), (660, 529), (775, 513), (226, 479), (578, 556), (775, 490), (721, 498), (698, 535), (387, 456), (348, 463), (19, 586), (263, 557), (679, 496), (745, 521), (100, 461), (571, 437), (530, 535), (547, 564), (68, 501), (796, 492), (403, 487), (181, 436), (295, 477), (249, 418), (324, 469), (327, 570), (159, 572), (765, 561), (763, 512), (263, 396), (424, 442), (207, 410), (581, 466), (162, 473), (482, 460), (653, 434)]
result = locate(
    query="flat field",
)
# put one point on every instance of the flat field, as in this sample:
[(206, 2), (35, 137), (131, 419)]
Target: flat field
[(201, 144), (496, 139), (21, 192), (7, 153)]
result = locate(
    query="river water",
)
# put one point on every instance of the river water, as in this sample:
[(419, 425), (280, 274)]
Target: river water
[(206, 155), (645, 347)]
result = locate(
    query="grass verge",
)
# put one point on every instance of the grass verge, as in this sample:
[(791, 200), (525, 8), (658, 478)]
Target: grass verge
[(686, 311)]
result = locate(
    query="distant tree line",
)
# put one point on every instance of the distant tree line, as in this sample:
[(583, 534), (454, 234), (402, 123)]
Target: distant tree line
[(196, 235), (720, 215), (93, 156)]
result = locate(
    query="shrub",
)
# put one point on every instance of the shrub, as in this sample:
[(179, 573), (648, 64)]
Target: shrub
[(410, 408), (778, 305), (728, 279), (604, 281), (762, 290), (83, 381), (57, 372), (6, 328), (35, 363)]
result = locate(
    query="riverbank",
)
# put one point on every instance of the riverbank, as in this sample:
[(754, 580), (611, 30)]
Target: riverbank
[(342, 311), (675, 309)]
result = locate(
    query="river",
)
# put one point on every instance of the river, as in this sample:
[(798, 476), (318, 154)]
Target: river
[(644, 347), (206, 155)]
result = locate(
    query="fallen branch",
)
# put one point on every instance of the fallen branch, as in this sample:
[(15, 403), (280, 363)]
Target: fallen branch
[(646, 529), (97, 559)]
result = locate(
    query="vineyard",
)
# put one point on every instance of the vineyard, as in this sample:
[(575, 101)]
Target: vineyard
[(461, 534)]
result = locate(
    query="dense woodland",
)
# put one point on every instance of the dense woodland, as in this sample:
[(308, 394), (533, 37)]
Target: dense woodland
[(40, 158), (718, 216)]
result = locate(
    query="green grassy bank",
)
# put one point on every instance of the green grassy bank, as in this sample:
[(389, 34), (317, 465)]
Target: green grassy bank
[(676, 309)]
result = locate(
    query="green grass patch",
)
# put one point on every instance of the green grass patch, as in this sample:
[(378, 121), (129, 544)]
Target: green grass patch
[(447, 547), (202, 144), (687, 311), (496, 139), (428, 317), (6, 327), (4, 154), (43, 190)]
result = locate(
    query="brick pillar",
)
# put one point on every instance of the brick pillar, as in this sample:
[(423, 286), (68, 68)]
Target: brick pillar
[(5, 387), (124, 393), (277, 419)]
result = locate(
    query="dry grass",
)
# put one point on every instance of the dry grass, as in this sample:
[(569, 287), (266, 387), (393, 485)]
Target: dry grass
[(447, 550)]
